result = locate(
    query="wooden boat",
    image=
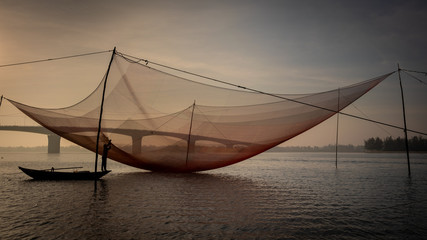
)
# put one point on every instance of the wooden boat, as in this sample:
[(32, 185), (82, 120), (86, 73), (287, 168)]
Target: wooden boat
[(52, 174)]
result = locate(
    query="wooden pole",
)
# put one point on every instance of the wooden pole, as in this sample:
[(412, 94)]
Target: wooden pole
[(404, 121), (102, 109), (189, 133), (62, 168), (336, 137)]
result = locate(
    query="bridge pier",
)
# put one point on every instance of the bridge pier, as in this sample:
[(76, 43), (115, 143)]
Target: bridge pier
[(136, 144), (54, 142)]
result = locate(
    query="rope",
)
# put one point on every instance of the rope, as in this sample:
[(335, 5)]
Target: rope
[(364, 114), (406, 70), (52, 59), (419, 80), (204, 115), (173, 117), (138, 60)]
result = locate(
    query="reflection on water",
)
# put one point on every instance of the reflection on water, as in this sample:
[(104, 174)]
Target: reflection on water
[(176, 204), (297, 196)]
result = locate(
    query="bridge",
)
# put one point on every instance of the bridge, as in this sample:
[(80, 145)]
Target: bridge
[(137, 135), (54, 140)]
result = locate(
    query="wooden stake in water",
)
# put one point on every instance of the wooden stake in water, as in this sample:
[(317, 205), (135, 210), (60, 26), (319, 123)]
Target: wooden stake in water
[(404, 121), (101, 110), (189, 132), (336, 137)]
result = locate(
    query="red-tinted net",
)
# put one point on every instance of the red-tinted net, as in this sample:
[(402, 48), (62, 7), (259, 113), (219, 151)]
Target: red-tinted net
[(161, 122)]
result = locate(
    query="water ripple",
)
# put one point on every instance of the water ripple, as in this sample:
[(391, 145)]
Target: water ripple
[(269, 197)]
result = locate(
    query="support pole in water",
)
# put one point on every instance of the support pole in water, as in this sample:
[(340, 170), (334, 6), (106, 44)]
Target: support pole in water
[(189, 133), (336, 137), (102, 109), (404, 121)]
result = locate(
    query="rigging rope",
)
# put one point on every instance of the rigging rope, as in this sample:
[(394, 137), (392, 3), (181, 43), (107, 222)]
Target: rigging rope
[(52, 59), (419, 80), (364, 114), (406, 70), (138, 61)]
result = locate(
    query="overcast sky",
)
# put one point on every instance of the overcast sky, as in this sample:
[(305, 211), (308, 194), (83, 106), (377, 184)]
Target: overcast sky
[(273, 46)]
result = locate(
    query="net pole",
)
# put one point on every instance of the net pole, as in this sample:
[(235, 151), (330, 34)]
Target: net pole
[(102, 109), (336, 137), (404, 121), (189, 133)]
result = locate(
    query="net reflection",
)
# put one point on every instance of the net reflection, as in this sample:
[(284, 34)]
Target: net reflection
[(172, 205)]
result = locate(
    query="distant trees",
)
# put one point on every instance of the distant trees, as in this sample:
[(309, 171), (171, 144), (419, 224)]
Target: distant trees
[(374, 144), (328, 148), (416, 144)]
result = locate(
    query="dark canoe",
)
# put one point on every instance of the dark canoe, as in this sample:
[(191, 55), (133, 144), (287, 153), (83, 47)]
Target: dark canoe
[(55, 175)]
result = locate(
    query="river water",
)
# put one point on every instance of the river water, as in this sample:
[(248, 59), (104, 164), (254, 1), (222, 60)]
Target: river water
[(271, 196)]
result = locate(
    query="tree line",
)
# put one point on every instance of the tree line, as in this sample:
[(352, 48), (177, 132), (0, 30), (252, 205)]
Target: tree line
[(416, 144), (328, 148)]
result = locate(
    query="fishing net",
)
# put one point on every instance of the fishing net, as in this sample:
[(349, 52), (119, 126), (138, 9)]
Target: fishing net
[(162, 122)]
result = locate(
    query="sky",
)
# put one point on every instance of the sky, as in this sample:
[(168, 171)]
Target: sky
[(272, 46)]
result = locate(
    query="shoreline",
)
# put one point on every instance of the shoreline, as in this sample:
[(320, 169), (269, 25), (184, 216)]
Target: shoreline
[(328, 148)]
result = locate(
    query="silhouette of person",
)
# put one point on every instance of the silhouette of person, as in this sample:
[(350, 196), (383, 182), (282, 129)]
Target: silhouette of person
[(107, 147)]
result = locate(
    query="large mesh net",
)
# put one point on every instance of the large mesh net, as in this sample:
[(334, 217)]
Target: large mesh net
[(161, 122)]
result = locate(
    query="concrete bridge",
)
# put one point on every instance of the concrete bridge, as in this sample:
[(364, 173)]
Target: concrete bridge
[(137, 135), (53, 139)]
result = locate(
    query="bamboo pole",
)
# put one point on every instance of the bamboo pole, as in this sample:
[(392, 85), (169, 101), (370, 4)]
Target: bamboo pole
[(62, 168), (404, 121), (336, 137), (102, 109), (189, 133)]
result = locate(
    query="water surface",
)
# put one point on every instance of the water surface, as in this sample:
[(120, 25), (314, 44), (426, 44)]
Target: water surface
[(271, 196)]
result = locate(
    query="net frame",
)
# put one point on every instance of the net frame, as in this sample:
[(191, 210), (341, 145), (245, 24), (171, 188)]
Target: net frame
[(162, 122)]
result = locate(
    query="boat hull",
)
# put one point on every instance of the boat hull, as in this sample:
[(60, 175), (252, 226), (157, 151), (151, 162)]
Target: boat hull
[(52, 175)]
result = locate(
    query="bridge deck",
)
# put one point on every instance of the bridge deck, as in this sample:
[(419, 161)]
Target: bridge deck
[(134, 133)]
